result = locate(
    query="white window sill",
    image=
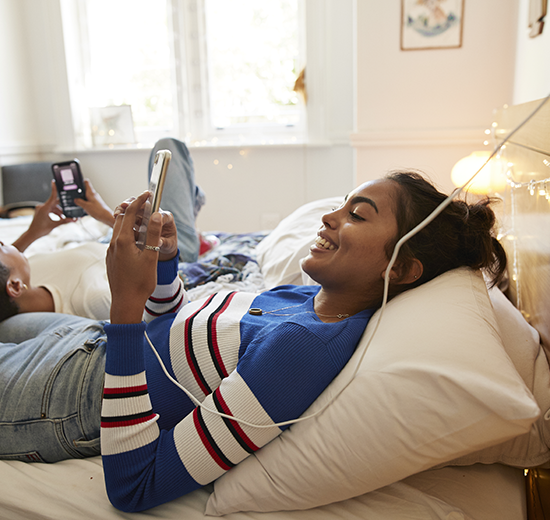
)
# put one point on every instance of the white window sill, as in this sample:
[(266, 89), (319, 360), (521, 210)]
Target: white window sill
[(219, 144)]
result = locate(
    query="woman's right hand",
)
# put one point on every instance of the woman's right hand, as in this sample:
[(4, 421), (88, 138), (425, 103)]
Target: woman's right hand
[(95, 206)]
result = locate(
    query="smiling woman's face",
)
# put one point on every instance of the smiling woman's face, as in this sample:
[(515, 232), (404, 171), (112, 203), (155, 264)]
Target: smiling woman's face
[(350, 250)]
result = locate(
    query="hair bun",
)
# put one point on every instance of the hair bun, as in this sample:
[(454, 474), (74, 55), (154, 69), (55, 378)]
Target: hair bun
[(461, 235)]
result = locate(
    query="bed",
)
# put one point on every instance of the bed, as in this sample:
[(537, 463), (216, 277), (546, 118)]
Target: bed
[(431, 419)]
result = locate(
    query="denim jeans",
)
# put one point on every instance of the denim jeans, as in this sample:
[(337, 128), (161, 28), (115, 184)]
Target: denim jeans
[(51, 384), (181, 196)]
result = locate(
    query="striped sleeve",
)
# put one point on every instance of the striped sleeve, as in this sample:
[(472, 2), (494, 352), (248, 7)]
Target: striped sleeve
[(276, 379), (169, 295), (208, 445), (127, 418), (145, 466)]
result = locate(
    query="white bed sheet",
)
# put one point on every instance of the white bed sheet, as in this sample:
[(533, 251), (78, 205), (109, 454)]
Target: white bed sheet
[(65, 236), (75, 489)]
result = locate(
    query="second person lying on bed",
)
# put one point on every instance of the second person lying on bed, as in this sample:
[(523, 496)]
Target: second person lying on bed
[(74, 281), (262, 358)]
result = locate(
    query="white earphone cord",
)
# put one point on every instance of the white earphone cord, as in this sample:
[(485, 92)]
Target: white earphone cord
[(396, 249)]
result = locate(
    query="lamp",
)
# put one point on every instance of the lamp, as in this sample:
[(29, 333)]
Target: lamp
[(464, 169)]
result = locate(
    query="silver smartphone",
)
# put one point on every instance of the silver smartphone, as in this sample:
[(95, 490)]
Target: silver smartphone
[(156, 185)]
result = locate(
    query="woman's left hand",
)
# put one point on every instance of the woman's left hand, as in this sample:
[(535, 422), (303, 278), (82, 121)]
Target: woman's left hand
[(132, 272)]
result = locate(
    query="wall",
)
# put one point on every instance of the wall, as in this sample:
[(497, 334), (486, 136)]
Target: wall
[(428, 108), (265, 184), (532, 80), (421, 109), (17, 108)]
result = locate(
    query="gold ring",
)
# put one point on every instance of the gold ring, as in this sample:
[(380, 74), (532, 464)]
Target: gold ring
[(153, 248)]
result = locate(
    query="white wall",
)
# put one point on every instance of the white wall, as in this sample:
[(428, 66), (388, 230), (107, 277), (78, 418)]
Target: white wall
[(264, 185), (532, 80), (426, 109), (422, 109), (17, 108)]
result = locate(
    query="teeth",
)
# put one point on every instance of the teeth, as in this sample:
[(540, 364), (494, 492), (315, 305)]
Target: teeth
[(324, 243)]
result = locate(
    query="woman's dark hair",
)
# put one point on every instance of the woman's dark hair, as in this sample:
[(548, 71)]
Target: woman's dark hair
[(7, 306), (460, 236)]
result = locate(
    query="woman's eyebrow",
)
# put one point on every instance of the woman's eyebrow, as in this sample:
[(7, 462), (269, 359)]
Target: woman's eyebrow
[(366, 200)]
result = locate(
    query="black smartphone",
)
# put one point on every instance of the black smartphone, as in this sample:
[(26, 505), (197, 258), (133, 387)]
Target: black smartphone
[(70, 186), (156, 185)]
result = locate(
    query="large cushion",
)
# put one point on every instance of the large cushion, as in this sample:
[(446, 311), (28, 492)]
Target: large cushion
[(435, 384), (522, 344)]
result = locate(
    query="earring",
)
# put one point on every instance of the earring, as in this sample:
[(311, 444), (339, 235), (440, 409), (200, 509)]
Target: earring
[(25, 286)]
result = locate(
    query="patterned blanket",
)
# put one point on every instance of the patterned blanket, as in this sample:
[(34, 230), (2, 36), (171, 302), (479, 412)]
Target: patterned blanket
[(233, 260)]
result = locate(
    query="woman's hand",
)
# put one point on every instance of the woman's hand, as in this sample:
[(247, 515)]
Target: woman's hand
[(169, 237), (95, 206), (42, 222), (132, 272)]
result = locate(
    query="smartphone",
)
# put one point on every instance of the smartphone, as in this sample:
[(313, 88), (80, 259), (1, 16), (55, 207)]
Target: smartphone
[(156, 185), (70, 186)]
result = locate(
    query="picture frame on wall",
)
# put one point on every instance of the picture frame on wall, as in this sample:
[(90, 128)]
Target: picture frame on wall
[(431, 24), (112, 125)]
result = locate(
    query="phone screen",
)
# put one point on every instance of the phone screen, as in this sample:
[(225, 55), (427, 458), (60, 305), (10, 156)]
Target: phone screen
[(70, 186), (156, 184)]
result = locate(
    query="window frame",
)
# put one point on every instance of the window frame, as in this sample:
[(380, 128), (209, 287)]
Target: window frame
[(191, 118)]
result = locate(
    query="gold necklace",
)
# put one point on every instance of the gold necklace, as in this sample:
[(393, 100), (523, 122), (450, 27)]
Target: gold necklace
[(255, 311)]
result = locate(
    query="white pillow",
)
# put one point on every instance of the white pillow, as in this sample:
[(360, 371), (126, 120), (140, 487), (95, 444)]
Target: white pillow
[(522, 343), (280, 252), (435, 384)]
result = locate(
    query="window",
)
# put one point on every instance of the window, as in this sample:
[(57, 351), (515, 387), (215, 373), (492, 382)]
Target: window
[(253, 62), (207, 71)]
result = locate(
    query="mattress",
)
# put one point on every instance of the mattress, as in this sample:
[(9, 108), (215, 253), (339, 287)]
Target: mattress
[(75, 489)]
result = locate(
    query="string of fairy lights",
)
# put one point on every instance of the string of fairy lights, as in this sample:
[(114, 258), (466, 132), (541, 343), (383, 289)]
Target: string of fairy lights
[(538, 188), (534, 187)]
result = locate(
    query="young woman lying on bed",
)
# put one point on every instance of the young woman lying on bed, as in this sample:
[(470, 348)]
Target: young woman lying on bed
[(263, 358), (74, 281)]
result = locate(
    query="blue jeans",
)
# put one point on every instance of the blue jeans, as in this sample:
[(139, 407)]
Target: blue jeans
[(52, 365), (181, 196), (51, 385)]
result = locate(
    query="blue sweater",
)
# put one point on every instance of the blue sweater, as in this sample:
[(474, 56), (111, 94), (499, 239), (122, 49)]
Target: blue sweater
[(156, 444)]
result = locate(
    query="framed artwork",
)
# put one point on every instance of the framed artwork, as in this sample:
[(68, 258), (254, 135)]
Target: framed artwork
[(537, 12), (112, 125), (431, 24)]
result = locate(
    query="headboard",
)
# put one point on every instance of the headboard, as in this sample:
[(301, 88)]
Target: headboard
[(521, 176)]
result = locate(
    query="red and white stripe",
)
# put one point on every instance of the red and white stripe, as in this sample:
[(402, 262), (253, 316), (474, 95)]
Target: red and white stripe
[(208, 445), (165, 299), (127, 419), (215, 323)]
